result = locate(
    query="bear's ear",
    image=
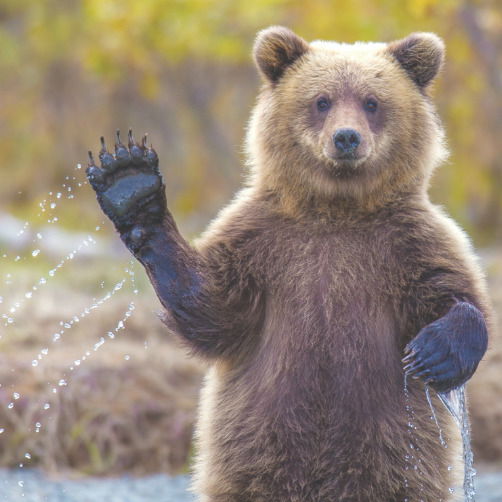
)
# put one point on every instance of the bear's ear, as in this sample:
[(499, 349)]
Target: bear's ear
[(421, 55), (275, 49)]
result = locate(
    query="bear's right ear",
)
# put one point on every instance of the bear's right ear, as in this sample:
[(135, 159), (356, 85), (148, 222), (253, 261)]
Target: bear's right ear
[(275, 49)]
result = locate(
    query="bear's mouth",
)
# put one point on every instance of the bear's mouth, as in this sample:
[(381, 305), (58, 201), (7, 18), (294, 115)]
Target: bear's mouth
[(353, 159), (347, 156), (347, 162), (344, 169)]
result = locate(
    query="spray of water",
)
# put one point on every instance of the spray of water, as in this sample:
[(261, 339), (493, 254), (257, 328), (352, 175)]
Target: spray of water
[(14, 309)]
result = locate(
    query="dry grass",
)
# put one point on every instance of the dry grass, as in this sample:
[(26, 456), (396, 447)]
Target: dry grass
[(130, 405)]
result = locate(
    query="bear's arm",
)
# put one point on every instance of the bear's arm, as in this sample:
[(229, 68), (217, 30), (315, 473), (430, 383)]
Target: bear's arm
[(446, 313), (211, 298)]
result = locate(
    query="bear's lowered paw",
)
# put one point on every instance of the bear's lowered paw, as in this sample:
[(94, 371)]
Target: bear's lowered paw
[(446, 353), (129, 187)]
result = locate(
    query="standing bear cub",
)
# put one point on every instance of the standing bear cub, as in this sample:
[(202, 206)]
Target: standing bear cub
[(309, 289)]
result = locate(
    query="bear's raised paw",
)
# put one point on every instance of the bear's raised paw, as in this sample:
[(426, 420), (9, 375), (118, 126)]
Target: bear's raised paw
[(128, 185)]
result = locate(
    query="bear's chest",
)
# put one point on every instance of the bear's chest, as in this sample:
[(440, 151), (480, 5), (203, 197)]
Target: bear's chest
[(331, 306), (342, 274)]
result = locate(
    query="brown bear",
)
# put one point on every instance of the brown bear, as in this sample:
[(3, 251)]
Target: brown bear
[(306, 292)]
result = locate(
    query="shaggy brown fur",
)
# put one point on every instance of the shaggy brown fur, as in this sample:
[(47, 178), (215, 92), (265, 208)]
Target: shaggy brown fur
[(310, 284)]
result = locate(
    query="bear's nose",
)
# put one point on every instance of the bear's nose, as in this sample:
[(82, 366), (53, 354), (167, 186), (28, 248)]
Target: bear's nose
[(346, 140)]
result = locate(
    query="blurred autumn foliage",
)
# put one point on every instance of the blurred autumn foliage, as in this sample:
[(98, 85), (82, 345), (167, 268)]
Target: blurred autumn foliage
[(71, 70)]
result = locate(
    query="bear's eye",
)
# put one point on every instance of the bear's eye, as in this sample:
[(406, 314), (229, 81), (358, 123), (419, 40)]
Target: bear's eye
[(371, 105), (323, 104)]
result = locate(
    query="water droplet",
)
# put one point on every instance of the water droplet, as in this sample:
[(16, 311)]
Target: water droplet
[(56, 337), (17, 258), (127, 357), (2, 430), (29, 294), (27, 455), (98, 344), (20, 483), (47, 406), (10, 406), (62, 383), (53, 205), (35, 252), (34, 363), (16, 395)]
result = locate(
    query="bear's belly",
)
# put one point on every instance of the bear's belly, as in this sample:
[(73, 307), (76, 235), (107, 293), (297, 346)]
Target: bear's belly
[(318, 413)]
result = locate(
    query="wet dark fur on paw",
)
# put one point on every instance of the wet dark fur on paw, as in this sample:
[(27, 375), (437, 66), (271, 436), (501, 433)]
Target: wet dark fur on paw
[(447, 352)]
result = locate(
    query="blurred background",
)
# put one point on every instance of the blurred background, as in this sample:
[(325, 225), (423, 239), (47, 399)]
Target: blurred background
[(72, 70), (181, 70)]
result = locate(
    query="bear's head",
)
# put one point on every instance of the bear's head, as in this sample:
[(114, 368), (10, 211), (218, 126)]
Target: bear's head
[(345, 122)]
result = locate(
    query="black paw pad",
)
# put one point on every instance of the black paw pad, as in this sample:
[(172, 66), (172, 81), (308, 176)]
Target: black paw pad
[(105, 157), (128, 184), (136, 238), (122, 154), (135, 150)]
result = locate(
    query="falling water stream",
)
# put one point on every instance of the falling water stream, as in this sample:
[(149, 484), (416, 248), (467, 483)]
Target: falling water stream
[(455, 403)]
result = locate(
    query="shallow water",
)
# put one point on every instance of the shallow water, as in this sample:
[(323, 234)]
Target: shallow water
[(159, 488)]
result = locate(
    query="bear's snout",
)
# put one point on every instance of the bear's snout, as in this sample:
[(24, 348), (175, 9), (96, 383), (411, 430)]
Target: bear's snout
[(346, 141)]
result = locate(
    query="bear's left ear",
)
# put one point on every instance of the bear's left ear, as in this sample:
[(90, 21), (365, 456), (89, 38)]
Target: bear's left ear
[(275, 49), (421, 55)]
